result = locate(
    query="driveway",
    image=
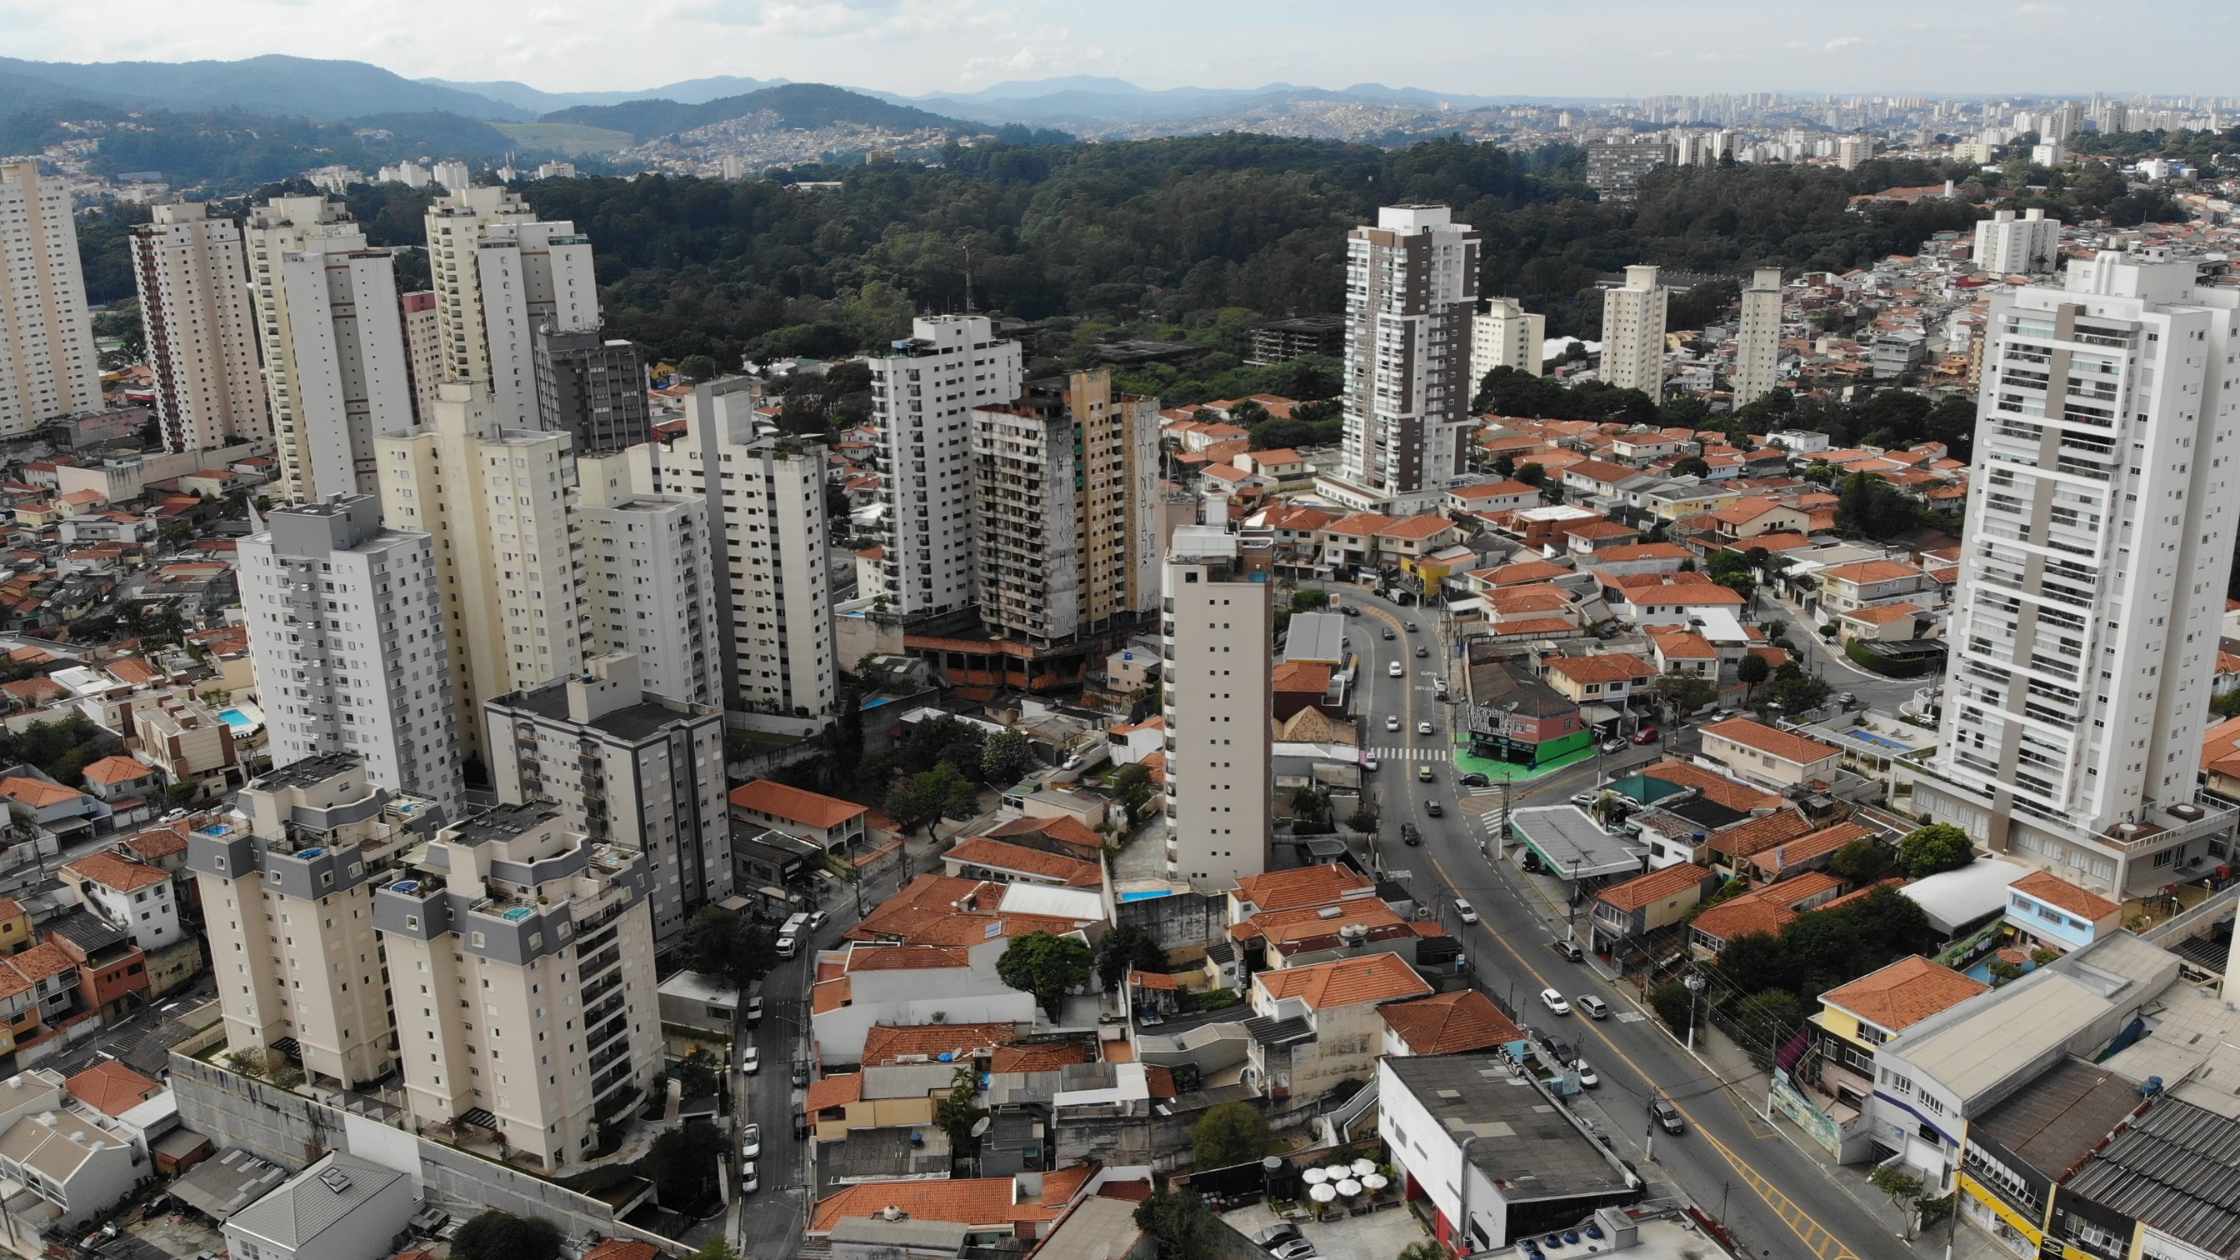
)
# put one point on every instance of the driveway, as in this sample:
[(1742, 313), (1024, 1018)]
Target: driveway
[(1378, 1236)]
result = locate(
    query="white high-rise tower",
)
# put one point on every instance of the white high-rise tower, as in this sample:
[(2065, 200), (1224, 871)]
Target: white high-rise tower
[(500, 273), (1411, 288), (1757, 347), (1504, 335), (194, 314), (2100, 538), (1633, 333), (48, 365)]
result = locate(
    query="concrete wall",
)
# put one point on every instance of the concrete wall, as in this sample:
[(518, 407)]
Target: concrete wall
[(1183, 924)]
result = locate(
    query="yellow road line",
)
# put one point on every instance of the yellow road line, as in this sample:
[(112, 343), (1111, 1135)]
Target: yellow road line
[(1817, 1238)]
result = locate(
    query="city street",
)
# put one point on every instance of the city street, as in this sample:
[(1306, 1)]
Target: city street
[(1776, 1197)]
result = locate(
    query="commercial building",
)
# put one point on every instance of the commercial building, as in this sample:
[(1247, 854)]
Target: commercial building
[(286, 889), (1411, 288), (1219, 706), (521, 956), (332, 336), (194, 316), (592, 388), (49, 369), (346, 629), (652, 589), (501, 274), (500, 506), (2011, 245), (1633, 333), (1282, 340), (1503, 335), (922, 397), (766, 493), (1757, 347), (339, 1208), (1065, 522), (2085, 622), (627, 766)]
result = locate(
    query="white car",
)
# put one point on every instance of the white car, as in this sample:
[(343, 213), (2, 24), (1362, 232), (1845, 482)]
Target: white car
[(1295, 1249), (1465, 911), (750, 1141), (1553, 1000), (1396, 669), (750, 1180), (1587, 1078), (1582, 799), (1392, 721), (1369, 764), (1423, 728), (750, 1060)]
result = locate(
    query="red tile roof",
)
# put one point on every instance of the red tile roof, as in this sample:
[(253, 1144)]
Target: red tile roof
[(1657, 885), (1601, 668), (1302, 886), (864, 957), (111, 1088), (810, 809), (114, 872), (834, 1091), (1759, 834), (1451, 1023), (998, 856), (1742, 916), (1751, 733), (1904, 993), (1047, 1056), (987, 1202), (2056, 891), (117, 770), (1376, 978), (884, 1043)]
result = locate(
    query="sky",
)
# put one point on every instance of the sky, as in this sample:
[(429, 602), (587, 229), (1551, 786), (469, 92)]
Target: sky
[(1585, 48)]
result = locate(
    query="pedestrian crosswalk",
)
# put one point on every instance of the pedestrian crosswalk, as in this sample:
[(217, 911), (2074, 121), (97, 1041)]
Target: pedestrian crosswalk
[(1412, 754), (1481, 791)]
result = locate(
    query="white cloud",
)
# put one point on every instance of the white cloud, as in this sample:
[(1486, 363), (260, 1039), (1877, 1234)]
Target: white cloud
[(2040, 8), (1845, 41)]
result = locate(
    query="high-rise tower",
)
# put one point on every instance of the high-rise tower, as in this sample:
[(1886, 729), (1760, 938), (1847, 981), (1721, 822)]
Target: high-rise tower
[(194, 314), (1411, 288)]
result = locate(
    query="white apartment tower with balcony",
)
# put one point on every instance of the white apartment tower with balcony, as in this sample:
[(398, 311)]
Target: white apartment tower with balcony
[(2091, 592), (1505, 335), (1757, 346), (922, 395), (49, 367), (649, 561), (346, 631), (1411, 292), (766, 495), (287, 898), (499, 274), (192, 279), (1217, 623), (1633, 333), (521, 963), (502, 508)]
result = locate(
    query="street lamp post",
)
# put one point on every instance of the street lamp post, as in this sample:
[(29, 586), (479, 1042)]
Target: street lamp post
[(1571, 905), (1695, 987)]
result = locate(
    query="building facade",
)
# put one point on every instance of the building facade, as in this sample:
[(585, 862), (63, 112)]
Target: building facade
[(1757, 347), (1504, 335), (626, 767), (592, 388), (1411, 288), (500, 275), (922, 397), (1219, 706), (653, 593), (2007, 245), (2085, 623), (345, 626), (423, 349), (194, 315), (49, 368), (1633, 333), (352, 372), (1065, 528)]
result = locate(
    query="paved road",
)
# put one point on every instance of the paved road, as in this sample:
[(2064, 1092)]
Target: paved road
[(1778, 1201)]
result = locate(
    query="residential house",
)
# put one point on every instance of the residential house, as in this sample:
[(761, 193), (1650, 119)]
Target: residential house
[(991, 1209), (1684, 652), (1316, 1027), (134, 896), (2045, 909), (1765, 911), (338, 1208), (1649, 600), (1809, 852), (1763, 754), (1852, 1021), (1597, 477), (1498, 496), (1630, 558), (1605, 678), (1747, 518), (1645, 903), (1302, 886), (1461, 1022), (835, 825), (1899, 622), (1845, 587), (66, 812)]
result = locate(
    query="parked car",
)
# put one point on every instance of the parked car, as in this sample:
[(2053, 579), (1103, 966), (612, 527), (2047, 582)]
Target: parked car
[(1396, 669), (1646, 735), (1423, 728), (1559, 1051), (1587, 1078), (1411, 627), (1474, 779), (1275, 1234), (1369, 764), (1846, 698), (1296, 1249), (1465, 911), (1423, 772), (753, 1014), (1582, 799), (750, 1180), (1553, 1000), (1392, 721), (1667, 1116), (1434, 809), (1422, 650), (1569, 949), (1614, 745), (1591, 1006), (801, 1073), (750, 1141), (750, 1060)]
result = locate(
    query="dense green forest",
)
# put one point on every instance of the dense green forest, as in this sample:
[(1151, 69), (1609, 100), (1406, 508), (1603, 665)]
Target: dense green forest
[(809, 106)]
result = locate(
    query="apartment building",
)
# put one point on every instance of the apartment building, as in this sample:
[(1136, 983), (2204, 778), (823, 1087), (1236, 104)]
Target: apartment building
[(2085, 622), (500, 506), (1633, 333), (1065, 523), (922, 397), (287, 901), (767, 496), (1504, 335), (192, 280), (346, 629), (49, 368), (521, 959), (333, 368), (1411, 289), (2012, 245), (627, 766), (1219, 706), (1757, 347), (423, 349), (501, 274), (649, 562), (593, 388)]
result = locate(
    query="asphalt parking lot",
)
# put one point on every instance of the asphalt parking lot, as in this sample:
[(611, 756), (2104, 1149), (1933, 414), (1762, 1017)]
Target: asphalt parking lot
[(1376, 1236)]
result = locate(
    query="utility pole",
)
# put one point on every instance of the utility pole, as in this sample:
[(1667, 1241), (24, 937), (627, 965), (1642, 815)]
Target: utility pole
[(1649, 1152), (1695, 988)]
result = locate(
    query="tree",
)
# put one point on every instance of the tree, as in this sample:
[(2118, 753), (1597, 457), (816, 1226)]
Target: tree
[(1046, 965), (1861, 861), (731, 947), (1179, 1225), (1124, 949), (1678, 695), (682, 1164), (1692, 466), (1752, 670), (716, 1249), (1767, 1020), (1937, 847), (1672, 1003), (1904, 1191), (1005, 759), (1230, 1133), (697, 368), (1796, 692), (496, 1235), (960, 1110), (1532, 474), (928, 797), (1133, 782)]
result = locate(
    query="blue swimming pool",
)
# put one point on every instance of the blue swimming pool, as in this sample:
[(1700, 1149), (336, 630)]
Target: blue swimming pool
[(236, 719), (1145, 896)]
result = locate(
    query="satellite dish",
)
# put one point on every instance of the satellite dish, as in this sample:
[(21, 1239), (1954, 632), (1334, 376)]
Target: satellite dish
[(980, 1126)]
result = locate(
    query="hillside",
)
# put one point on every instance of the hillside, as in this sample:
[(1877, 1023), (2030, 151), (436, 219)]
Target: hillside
[(288, 87), (688, 91), (226, 152), (803, 106)]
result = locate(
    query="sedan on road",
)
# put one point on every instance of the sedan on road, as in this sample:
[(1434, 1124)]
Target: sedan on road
[(1465, 911), (1582, 799), (1396, 669), (1434, 809), (1474, 779), (1411, 627), (750, 1141), (1369, 764), (1392, 721), (750, 1180), (1646, 735), (1422, 650), (1409, 835), (1594, 1007), (1587, 1078), (1553, 1000), (1423, 772), (1389, 634), (1423, 728), (1613, 745), (750, 1060)]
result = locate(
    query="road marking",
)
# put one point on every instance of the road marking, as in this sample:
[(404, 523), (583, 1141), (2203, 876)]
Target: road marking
[(1816, 1237), (1630, 1017)]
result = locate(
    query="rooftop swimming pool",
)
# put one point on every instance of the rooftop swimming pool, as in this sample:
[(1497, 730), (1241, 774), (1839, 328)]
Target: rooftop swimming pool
[(518, 913), (1145, 895)]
